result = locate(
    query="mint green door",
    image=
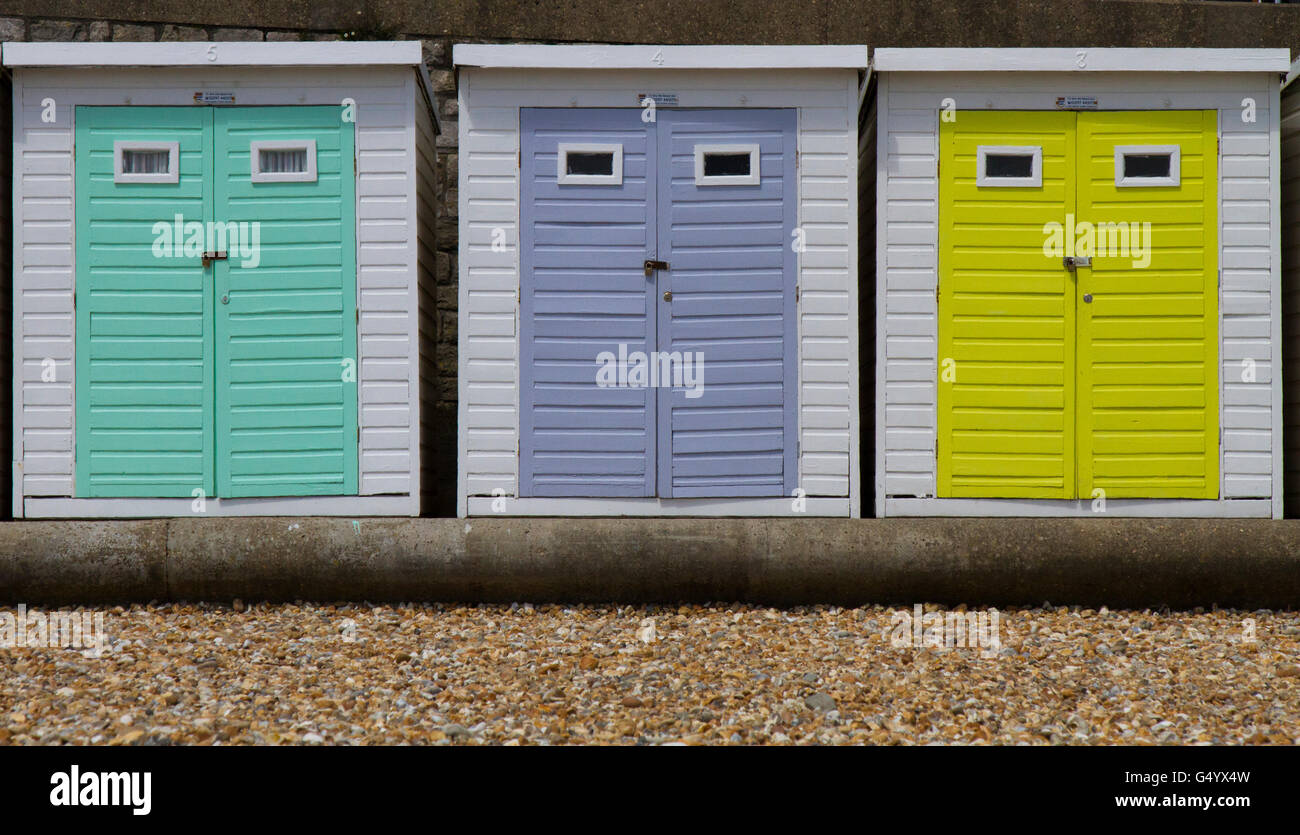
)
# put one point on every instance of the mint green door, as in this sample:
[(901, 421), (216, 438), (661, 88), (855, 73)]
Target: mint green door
[(233, 374), (144, 376), (286, 314)]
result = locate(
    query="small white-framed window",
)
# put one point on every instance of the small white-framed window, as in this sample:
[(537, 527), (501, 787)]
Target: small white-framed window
[(282, 160), (1009, 166), (146, 162), (1138, 166), (727, 165), (589, 164)]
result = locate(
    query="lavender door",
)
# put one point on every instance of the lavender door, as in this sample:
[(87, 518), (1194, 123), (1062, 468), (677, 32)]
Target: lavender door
[(726, 224), (657, 303), (587, 229)]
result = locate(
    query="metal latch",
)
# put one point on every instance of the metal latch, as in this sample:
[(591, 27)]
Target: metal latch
[(209, 257), (651, 266), (1073, 262)]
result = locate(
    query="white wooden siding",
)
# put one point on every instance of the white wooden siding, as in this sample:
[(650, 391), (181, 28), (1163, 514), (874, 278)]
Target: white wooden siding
[(387, 295), (489, 199), (908, 206)]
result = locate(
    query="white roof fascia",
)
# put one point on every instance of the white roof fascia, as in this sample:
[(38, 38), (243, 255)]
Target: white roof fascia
[(213, 54), (1081, 59), (652, 57)]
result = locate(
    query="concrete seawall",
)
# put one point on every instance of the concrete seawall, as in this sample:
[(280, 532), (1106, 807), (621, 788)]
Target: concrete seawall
[(1117, 562)]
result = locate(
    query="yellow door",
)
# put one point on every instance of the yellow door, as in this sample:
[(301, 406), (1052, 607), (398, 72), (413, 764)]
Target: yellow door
[(1056, 379), (1006, 313), (1148, 317)]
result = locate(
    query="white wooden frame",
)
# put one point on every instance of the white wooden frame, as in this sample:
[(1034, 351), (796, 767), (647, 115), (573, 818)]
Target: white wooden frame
[(1174, 152), (122, 147), (388, 294), (909, 104), (257, 175), (614, 178), (753, 178), (489, 102), (1035, 154)]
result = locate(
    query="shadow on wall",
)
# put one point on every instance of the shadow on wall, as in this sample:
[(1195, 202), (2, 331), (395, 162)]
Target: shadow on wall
[(6, 291), (867, 302)]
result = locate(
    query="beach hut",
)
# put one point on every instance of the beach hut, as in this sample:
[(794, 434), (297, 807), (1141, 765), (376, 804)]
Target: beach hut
[(658, 279), (1077, 282), (217, 278)]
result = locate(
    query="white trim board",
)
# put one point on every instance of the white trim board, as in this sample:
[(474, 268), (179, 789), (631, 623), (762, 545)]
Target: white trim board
[(60, 508), (1082, 508), (212, 54), (482, 506), (1080, 59), (651, 57)]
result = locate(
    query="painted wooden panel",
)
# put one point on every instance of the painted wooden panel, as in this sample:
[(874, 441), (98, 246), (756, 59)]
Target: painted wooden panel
[(144, 384), (584, 294), (731, 281), (285, 311), (1006, 317), (1148, 339)]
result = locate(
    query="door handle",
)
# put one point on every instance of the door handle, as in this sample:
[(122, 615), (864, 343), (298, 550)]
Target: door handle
[(209, 257), (651, 266), (1073, 262)]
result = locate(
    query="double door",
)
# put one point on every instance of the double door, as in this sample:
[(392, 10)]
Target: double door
[(1078, 305), (657, 256), (215, 302)]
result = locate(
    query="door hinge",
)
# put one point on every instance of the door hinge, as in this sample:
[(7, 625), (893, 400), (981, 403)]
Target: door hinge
[(796, 292), (796, 160), (936, 294), (519, 158)]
